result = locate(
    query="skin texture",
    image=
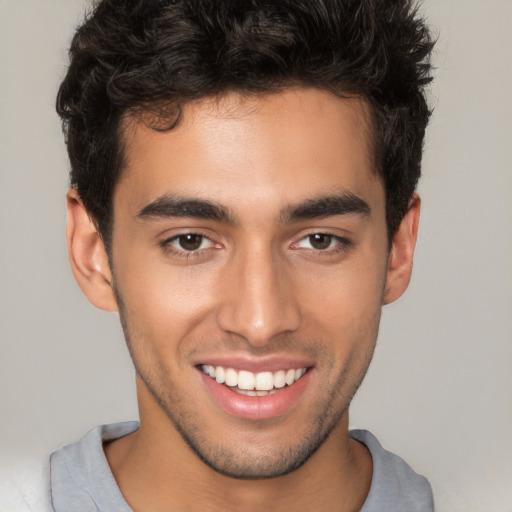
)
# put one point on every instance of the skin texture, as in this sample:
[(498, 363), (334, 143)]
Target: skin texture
[(258, 291)]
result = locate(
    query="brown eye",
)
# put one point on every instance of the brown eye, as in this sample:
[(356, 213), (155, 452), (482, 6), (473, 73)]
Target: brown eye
[(320, 241), (190, 242)]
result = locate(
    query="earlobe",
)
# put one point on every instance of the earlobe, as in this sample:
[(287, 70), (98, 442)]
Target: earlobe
[(87, 255), (402, 252)]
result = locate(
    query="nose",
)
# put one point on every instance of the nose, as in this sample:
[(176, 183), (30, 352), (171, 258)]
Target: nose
[(259, 302)]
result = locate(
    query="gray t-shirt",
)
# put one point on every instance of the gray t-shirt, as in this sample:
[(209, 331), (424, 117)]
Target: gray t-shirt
[(81, 480)]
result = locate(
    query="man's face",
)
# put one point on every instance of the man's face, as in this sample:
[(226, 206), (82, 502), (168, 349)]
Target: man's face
[(250, 246)]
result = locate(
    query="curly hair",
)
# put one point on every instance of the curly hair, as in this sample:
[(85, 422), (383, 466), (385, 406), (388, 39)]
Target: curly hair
[(151, 56)]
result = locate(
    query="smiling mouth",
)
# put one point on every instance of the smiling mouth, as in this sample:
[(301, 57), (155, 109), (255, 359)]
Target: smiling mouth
[(253, 384)]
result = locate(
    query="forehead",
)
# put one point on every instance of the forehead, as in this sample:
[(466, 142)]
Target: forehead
[(254, 150)]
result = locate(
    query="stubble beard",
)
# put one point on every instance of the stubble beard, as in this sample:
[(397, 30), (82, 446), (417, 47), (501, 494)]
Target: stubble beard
[(240, 463)]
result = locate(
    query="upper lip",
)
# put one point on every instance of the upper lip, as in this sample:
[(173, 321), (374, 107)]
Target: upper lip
[(256, 364)]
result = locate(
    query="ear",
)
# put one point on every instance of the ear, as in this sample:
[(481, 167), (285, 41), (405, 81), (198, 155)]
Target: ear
[(87, 255), (402, 252)]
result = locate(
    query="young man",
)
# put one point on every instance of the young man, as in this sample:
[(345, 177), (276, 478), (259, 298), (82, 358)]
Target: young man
[(243, 177)]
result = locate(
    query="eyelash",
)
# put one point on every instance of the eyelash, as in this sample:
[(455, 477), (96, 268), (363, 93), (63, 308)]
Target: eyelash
[(342, 245), (183, 253)]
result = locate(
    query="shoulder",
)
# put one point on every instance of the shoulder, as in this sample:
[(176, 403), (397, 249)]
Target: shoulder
[(81, 476), (395, 486)]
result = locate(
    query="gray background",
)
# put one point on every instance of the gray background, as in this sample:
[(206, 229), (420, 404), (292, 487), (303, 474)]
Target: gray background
[(439, 391)]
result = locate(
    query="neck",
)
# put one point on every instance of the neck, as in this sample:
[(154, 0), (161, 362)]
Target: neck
[(157, 470)]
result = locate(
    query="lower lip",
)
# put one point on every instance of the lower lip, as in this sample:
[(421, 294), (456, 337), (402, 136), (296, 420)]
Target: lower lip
[(256, 407)]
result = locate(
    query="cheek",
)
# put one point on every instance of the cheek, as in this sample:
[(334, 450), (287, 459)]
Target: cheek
[(344, 313), (348, 297), (163, 306)]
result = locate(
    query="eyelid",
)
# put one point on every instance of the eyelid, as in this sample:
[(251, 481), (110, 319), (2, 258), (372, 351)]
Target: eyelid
[(170, 248), (342, 242), (177, 237), (174, 233), (339, 243)]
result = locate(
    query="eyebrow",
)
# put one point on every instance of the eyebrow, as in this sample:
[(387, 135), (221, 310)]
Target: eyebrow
[(323, 206), (169, 206), (174, 206)]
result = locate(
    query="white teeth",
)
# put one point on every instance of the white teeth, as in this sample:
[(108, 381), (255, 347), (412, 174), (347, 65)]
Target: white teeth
[(246, 392), (254, 384), (290, 377), (279, 379), (231, 377), (254, 393), (245, 380), (264, 381), (220, 374), (298, 374)]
